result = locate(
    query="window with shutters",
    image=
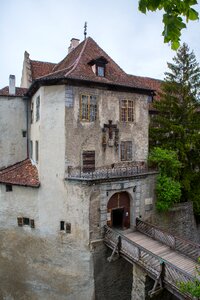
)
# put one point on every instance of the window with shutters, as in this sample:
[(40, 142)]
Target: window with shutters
[(126, 151), (24, 221), (88, 161), (127, 110), (88, 108), (65, 227)]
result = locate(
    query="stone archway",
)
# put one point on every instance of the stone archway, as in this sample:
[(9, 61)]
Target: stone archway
[(118, 211)]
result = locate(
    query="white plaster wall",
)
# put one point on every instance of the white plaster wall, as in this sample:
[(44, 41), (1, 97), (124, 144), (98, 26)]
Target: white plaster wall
[(58, 200), (12, 122), (20, 202), (35, 126), (38, 266), (51, 135)]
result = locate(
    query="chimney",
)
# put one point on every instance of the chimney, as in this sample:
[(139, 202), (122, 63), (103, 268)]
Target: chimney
[(73, 45), (12, 84)]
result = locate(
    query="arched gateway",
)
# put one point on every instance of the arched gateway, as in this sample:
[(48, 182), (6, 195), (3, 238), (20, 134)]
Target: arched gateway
[(118, 210)]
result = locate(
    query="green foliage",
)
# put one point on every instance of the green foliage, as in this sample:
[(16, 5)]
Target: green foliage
[(176, 14), (192, 287), (166, 161), (176, 126), (168, 192)]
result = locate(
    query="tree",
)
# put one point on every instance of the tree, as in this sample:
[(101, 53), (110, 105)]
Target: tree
[(176, 126), (175, 11), (168, 189)]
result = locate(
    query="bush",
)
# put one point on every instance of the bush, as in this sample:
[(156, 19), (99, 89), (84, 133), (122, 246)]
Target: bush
[(168, 192)]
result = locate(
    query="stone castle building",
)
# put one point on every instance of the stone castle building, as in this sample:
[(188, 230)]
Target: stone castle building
[(73, 158)]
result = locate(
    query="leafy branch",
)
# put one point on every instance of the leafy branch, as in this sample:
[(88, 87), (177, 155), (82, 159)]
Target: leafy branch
[(176, 14)]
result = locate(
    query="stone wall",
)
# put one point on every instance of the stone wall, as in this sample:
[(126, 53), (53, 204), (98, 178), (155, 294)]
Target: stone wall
[(179, 221), (139, 191), (87, 136)]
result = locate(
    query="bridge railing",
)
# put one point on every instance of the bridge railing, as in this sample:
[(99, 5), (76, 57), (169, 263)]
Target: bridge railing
[(186, 247), (135, 253), (109, 172)]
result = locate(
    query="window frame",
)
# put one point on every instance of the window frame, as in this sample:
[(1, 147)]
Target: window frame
[(37, 109), (87, 166), (25, 222), (9, 188), (32, 112), (127, 110), (90, 108), (102, 67), (37, 151), (31, 149), (126, 151)]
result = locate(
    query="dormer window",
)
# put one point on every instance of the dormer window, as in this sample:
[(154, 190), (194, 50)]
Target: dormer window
[(99, 66), (101, 71)]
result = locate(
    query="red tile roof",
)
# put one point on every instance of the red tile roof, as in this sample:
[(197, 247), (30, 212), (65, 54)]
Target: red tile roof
[(40, 68), (152, 83), (76, 66), (20, 92), (22, 173)]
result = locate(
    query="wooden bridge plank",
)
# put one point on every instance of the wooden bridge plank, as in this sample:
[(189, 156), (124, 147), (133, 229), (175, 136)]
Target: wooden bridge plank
[(163, 251), (150, 254)]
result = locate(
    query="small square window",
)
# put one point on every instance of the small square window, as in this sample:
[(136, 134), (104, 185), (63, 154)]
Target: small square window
[(68, 227), (24, 133), (20, 221), (26, 221), (9, 188), (32, 223), (62, 225)]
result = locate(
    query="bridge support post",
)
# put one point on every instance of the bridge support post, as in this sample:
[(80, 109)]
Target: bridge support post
[(139, 283)]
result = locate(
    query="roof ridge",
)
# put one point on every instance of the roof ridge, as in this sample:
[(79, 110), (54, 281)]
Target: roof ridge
[(44, 62), (78, 58), (72, 66), (68, 54), (146, 77)]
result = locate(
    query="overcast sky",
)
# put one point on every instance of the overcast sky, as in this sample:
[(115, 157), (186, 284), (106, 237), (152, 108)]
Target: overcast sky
[(44, 28)]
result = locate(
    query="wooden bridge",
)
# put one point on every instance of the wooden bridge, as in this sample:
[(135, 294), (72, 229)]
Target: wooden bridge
[(167, 259)]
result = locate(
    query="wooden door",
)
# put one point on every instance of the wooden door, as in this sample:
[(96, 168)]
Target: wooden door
[(119, 201)]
